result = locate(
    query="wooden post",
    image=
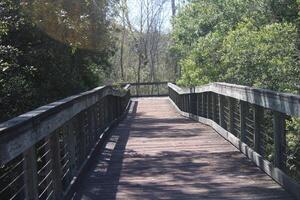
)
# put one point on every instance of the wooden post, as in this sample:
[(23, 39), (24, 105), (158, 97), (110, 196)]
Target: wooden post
[(214, 107), (221, 111), (71, 147), (257, 117), (231, 117), (30, 174), (243, 115), (198, 104), (202, 105), (207, 105), (193, 104), (279, 139), (56, 165)]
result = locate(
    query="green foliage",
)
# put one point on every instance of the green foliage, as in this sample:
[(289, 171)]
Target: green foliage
[(261, 56), (244, 42), (41, 62)]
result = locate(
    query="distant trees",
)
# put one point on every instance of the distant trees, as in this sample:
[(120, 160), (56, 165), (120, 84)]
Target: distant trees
[(143, 42), (49, 50)]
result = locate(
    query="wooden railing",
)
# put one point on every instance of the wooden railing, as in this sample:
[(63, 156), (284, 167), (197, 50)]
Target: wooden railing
[(253, 120), (43, 152), (149, 89)]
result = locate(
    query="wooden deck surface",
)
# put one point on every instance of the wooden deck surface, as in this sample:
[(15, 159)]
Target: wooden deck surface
[(157, 154)]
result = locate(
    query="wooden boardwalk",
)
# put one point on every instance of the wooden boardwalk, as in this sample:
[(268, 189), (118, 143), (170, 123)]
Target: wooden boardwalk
[(157, 154)]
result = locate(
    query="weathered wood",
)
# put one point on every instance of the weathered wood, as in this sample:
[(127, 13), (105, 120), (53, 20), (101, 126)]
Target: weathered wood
[(207, 105), (279, 140), (258, 118), (71, 147), (56, 166), (214, 107), (281, 102), (203, 105), (198, 104), (243, 115), (22, 132), (166, 156), (278, 175), (231, 117), (30, 174), (221, 110)]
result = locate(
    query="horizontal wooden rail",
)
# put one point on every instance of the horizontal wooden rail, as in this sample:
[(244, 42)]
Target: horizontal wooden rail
[(148, 89), (281, 102), (253, 120), (43, 151)]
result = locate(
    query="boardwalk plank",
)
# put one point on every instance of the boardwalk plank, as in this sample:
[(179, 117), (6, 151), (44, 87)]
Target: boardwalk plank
[(157, 154)]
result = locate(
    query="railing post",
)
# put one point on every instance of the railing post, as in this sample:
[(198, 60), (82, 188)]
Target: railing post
[(193, 104), (56, 165), (30, 174), (207, 105), (257, 118), (198, 105), (214, 107), (221, 110), (231, 117), (71, 146), (202, 105), (279, 139), (243, 115)]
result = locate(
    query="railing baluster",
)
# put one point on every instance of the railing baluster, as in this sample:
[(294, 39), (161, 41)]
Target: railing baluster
[(56, 165), (243, 115), (279, 139), (30, 174), (231, 117), (198, 104), (214, 107), (221, 111), (207, 105), (257, 117)]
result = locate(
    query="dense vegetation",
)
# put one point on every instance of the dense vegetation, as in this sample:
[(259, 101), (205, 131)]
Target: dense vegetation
[(50, 50), (251, 42)]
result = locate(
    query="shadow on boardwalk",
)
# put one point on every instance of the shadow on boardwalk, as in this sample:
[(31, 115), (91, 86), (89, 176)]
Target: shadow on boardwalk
[(152, 155)]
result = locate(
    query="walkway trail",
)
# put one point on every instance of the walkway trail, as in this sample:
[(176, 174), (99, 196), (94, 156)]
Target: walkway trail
[(154, 153)]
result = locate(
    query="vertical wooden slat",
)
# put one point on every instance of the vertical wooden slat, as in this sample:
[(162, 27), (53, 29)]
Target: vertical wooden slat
[(202, 105), (221, 111), (257, 117), (30, 174), (198, 104), (231, 117), (279, 139), (71, 146), (214, 107), (56, 165), (207, 105), (243, 115)]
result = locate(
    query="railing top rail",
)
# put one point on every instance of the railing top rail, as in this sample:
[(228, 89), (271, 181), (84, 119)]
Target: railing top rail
[(281, 102), (147, 83), (37, 124)]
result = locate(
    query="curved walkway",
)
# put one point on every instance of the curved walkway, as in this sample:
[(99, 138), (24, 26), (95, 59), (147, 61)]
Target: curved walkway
[(156, 154)]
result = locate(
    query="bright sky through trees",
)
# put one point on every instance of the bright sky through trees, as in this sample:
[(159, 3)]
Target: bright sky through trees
[(134, 13)]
